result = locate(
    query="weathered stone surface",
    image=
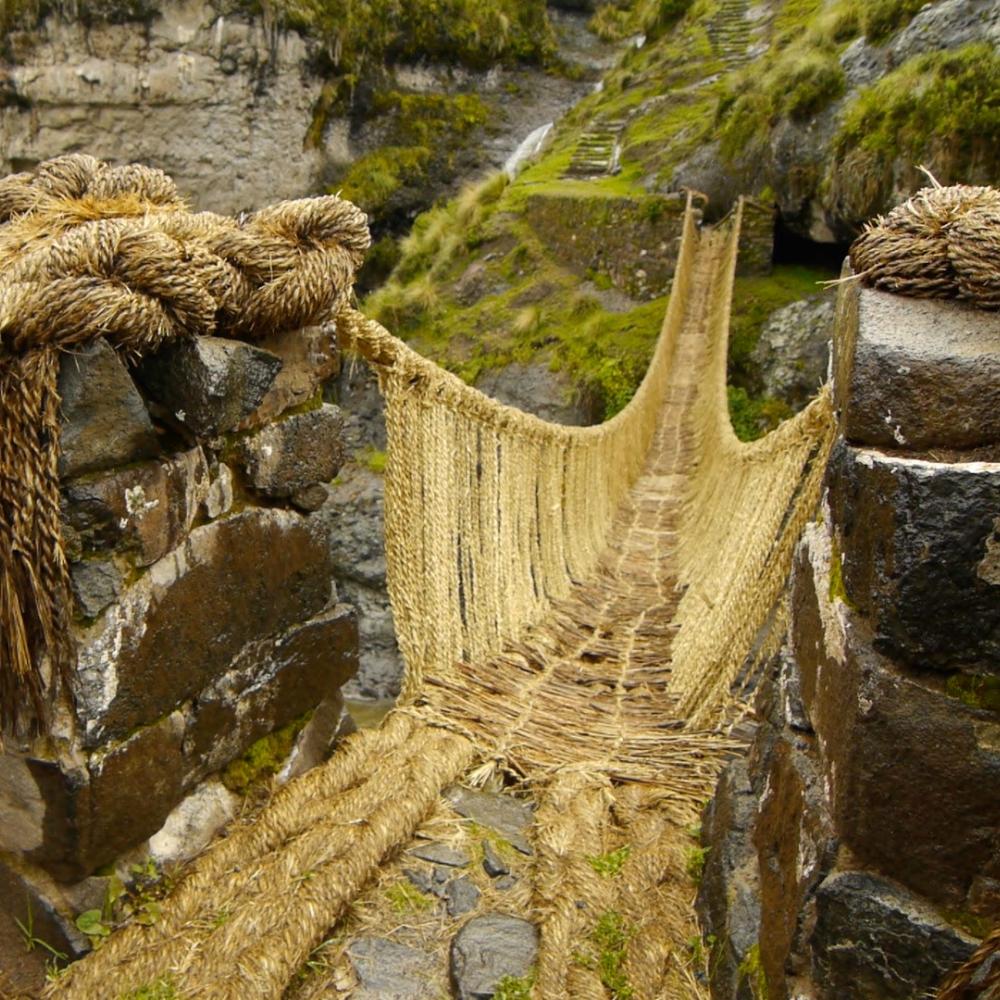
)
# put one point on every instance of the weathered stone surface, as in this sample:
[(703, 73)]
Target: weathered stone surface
[(917, 373), (329, 724), (96, 584), (270, 683), (875, 941), (193, 824), (912, 772), (145, 509), (287, 456), (461, 896), (729, 893), (796, 847), (493, 864), (756, 253), (198, 613), (488, 948), (352, 520), (631, 241), (536, 389), (793, 351), (441, 854), (209, 384), (509, 817), (134, 786), (219, 497), (104, 420), (920, 543), (390, 971), (308, 358)]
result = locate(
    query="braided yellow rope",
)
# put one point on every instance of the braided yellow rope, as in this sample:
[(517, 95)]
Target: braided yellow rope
[(574, 604), (89, 251)]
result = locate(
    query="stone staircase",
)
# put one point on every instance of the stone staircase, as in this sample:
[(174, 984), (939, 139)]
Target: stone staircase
[(599, 149), (730, 32)]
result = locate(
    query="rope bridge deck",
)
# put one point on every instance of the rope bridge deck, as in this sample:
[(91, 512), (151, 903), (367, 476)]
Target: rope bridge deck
[(573, 604)]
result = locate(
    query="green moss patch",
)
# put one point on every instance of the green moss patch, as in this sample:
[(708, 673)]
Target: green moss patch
[(264, 758), (939, 109), (975, 690)]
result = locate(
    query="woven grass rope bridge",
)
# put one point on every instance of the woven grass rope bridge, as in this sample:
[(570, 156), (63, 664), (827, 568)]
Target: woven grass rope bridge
[(576, 606)]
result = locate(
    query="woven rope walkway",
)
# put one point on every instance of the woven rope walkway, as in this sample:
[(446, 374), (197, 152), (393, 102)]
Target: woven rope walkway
[(574, 605)]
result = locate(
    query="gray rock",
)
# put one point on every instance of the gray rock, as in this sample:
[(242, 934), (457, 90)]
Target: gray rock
[(509, 817), (352, 520), (104, 420), (461, 896), (299, 451), (493, 863), (793, 351), (208, 384), (536, 389), (875, 941), (96, 584), (440, 874), (505, 882), (441, 854), (390, 971), (947, 25), (487, 949), (917, 373), (310, 498), (421, 880), (728, 900), (920, 546), (911, 770), (146, 509), (355, 391), (863, 63)]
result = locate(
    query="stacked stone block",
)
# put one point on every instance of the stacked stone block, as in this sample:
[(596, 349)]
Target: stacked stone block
[(205, 614), (856, 852)]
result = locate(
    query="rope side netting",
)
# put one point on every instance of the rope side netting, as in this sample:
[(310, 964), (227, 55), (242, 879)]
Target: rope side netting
[(574, 604)]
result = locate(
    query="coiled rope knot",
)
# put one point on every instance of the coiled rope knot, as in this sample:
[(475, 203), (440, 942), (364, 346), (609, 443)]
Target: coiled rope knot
[(943, 243), (91, 251)]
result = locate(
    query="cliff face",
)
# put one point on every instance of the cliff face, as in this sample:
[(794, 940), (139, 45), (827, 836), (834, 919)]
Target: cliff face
[(222, 104)]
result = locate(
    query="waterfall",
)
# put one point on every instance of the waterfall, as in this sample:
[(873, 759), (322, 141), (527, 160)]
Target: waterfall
[(528, 148)]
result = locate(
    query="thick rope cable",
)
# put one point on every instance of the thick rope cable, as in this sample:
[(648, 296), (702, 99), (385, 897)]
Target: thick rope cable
[(89, 251)]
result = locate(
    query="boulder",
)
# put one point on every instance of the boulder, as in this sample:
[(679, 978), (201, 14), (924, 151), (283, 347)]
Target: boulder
[(873, 940), (461, 896), (104, 422), (208, 384), (299, 451), (920, 547), (509, 817), (728, 901), (308, 358), (793, 352), (389, 971), (441, 854), (96, 584), (197, 614), (918, 374), (536, 389), (193, 824), (489, 948), (145, 509), (911, 770)]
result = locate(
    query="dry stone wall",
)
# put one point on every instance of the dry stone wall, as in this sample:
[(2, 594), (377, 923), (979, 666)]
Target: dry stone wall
[(856, 851), (205, 613)]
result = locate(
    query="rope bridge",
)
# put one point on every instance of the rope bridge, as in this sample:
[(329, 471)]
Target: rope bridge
[(574, 604)]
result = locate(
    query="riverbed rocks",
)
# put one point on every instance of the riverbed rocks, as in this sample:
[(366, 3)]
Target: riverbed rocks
[(489, 948)]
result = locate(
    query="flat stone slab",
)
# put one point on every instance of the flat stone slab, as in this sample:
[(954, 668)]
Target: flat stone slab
[(390, 971), (509, 817), (441, 854), (489, 948), (917, 373)]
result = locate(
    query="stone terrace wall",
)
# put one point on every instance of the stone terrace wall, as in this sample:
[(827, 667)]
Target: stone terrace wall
[(205, 611), (856, 851)]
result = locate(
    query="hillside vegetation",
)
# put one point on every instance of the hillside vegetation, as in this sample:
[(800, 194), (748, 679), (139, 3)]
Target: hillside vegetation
[(489, 278)]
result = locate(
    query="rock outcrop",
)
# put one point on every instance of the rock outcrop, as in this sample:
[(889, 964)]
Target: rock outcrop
[(865, 818), (205, 615)]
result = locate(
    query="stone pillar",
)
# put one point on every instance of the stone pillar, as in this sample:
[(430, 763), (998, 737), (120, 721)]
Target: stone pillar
[(205, 615), (873, 834)]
